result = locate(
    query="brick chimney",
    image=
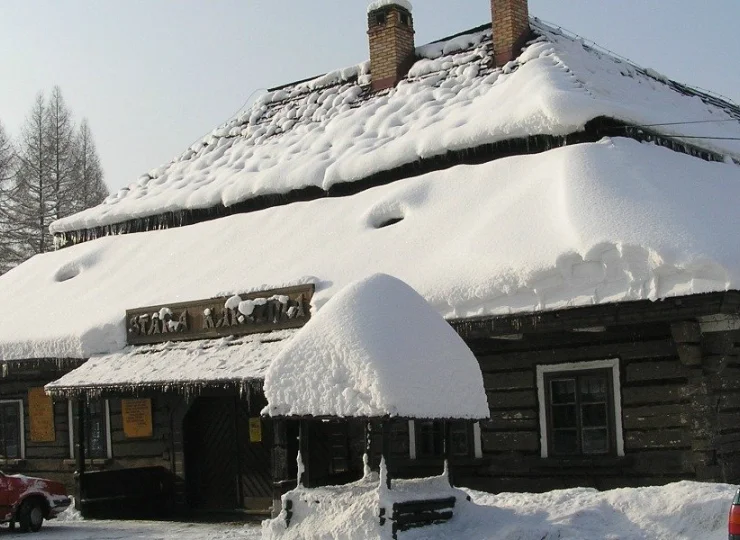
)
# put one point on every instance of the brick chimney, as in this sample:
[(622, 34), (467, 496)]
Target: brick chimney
[(391, 31), (510, 29)]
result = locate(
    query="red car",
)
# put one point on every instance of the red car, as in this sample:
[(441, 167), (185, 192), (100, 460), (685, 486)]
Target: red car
[(28, 501)]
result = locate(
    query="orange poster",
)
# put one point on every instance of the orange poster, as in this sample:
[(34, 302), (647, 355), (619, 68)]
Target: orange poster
[(41, 416), (137, 418)]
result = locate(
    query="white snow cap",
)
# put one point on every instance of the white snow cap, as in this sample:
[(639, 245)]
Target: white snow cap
[(382, 3), (377, 348)]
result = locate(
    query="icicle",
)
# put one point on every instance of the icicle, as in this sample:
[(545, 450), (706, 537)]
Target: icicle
[(366, 472), (446, 471), (301, 469)]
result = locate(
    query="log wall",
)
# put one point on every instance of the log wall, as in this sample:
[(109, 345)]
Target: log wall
[(680, 393), (46, 459)]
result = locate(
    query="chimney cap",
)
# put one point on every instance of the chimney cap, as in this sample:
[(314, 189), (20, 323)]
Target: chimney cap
[(379, 4)]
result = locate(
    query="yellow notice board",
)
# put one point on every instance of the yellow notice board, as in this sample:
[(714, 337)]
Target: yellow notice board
[(137, 418), (41, 416), (255, 430)]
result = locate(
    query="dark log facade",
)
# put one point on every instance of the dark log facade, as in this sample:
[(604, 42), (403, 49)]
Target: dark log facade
[(48, 458), (674, 414)]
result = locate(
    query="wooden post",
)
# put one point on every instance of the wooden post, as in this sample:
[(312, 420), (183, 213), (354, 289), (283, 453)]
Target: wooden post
[(279, 462), (80, 450), (447, 425), (385, 428), (304, 435)]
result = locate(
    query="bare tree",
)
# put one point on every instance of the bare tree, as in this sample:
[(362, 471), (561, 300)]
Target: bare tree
[(8, 162), (60, 141), (88, 189), (55, 172), (33, 205)]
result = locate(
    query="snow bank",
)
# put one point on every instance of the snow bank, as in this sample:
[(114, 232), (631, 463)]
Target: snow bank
[(183, 364), (680, 511), (351, 512), (333, 130), (586, 224), (376, 349)]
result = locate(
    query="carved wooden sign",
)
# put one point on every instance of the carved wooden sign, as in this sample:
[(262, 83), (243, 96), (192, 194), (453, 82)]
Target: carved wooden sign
[(251, 313)]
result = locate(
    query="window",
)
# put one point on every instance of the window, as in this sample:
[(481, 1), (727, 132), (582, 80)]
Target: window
[(428, 439), (380, 19), (97, 430), (12, 442), (580, 409), (405, 19)]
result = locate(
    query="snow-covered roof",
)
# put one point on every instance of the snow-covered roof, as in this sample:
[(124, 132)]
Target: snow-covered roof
[(585, 224), (185, 366), (333, 130), (376, 349)]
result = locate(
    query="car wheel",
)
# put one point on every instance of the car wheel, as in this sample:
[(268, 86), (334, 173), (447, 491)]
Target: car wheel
[(30, 516)]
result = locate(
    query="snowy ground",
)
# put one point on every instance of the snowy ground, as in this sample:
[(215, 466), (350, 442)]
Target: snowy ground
[(681, 511), (138, 530)]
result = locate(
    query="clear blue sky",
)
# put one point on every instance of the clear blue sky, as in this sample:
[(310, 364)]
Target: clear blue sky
[(152, 76)]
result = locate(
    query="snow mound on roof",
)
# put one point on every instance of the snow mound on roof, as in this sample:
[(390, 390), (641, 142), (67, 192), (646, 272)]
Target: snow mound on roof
[(333, 130), (581, 225), (377, 348), (377, 4)]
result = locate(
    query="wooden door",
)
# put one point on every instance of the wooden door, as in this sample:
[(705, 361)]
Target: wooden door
[(255, 445), (227, 454), (211, 454)]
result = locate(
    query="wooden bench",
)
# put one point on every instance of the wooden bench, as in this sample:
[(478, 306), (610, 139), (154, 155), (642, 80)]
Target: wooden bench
[(412, 514)]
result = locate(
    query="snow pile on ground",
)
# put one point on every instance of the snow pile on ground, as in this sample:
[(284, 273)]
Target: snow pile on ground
[(681, 511), (580, 225), (352, 511), (333, 130), (184, 364), (376, 349)]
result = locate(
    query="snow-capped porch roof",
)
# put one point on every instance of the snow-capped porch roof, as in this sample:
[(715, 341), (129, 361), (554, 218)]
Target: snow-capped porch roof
[(586, 224), (332, 130), (184, 367), (376, 349)]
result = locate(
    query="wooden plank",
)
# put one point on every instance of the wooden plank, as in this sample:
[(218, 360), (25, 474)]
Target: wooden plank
[(424, 505), (510, 441), (661, 438), (661, 348), (513, 380), (654, 394), (506, 400), (519, 420), (655, 370), (656, 416)]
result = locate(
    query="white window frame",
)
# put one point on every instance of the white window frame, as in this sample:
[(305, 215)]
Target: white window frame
[(477, 444), (22, 424), (108, 437), (613, 364)]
